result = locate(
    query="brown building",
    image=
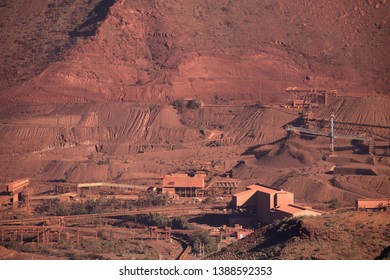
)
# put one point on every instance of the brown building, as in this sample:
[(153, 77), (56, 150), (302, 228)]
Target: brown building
[(373, 204), (183, 185), (269, 204), (290, 211), (10, 195), (220, 186)]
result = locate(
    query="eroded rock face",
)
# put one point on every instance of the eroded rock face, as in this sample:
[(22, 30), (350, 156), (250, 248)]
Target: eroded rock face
[(160, 51)]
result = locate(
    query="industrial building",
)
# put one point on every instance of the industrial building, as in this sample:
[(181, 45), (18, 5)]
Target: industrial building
[(120, 191), (10, 194), (175, 185), (373, 204), (64, 197), (220, 186), (307, 98), (183, 185), (291, 210), (269, 204), (228, 233)]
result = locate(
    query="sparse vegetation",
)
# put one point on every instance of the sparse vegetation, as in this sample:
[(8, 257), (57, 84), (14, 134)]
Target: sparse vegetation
[(350, 237), (201, 239), (151, 219), (180, 223), (58, 208), (43, 36), (194, 104), (88, 249), (153, 199), (333, 203), (178, 104), (104, 160), (155, 219)]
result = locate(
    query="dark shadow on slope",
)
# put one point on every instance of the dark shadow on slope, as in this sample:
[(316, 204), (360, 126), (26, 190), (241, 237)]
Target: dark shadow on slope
[(252, 150), (298, 122), (90, 26), (280, 234), (259, 154), (214, 220), (385, 254)]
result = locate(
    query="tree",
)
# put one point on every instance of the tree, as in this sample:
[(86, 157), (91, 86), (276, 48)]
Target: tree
[(153, 199), (202, 238), (93, 206), (152, 219), (180, 223), (61, 208), (78, 208)]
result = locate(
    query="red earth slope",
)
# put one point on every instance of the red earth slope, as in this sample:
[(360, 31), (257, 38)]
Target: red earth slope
[(215, 50)]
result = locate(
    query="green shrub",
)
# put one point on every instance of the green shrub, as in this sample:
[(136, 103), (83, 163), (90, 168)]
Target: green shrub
[(78, 208), (178, 104), (333, 203), (151, 219), (94, 206), (61, 209), (193, 104), (153, 199), (180, 223)]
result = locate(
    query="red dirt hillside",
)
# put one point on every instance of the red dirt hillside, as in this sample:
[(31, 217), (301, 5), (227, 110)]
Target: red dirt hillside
[(81, 51)]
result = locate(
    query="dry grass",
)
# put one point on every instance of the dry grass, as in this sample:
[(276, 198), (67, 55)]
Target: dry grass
[(350, 235)]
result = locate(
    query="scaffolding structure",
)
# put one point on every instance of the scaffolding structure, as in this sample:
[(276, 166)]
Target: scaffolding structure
[(183, 185), (332, 135), (309, 98), (52, 234)]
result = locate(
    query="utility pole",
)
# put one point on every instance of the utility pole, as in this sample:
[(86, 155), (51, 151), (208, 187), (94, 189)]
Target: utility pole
[(201, 249), (332, 134)]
